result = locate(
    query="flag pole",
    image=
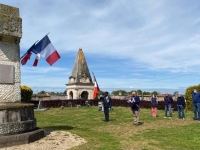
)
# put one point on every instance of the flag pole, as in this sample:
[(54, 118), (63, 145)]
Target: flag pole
[(27, 51), (43, 37)]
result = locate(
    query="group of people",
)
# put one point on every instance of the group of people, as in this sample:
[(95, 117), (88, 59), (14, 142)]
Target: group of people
[(168, 100)]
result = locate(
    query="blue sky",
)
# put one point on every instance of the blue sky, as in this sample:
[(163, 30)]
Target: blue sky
[(128, 44)]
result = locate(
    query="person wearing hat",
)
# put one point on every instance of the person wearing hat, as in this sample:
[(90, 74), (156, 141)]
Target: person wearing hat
[(107, 103)]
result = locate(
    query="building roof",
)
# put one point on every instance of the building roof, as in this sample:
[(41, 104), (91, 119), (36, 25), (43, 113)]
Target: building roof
[(80, 71)]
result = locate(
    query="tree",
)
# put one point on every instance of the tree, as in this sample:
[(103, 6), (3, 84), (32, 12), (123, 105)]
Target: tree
[(65, 92), (116, 93), (42, 92), (188, 96), (146, 93), (175, 93), (139, 92), (26, 93), (101, 93), (154, 93)]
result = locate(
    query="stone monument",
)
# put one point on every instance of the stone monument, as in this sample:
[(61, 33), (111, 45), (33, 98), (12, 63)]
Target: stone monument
[(17, 122), (80, 85)]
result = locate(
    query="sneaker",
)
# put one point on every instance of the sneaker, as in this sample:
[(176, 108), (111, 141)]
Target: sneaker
[(183, 118), (170, 117), (165, 117), (136, 123)]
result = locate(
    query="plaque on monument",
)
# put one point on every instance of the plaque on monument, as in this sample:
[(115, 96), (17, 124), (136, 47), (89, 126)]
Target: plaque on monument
[(7, 74)]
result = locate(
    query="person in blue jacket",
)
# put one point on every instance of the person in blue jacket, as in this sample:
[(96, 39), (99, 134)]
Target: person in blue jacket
[(107, 103), (135, 107), (196, 104), (168, 105)]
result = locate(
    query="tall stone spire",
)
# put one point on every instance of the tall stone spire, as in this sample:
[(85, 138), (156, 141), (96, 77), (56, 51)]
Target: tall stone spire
[(80, 85), (80, 72)]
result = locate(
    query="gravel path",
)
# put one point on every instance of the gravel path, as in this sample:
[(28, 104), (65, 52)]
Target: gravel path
[(53, 140)]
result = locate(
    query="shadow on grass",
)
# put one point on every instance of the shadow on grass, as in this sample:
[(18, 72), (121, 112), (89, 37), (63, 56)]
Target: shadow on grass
[(141, 123), (110, 120), (57, 127)]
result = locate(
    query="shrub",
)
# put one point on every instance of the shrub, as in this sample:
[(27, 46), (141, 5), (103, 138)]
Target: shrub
[(26, 93), (188, 96)]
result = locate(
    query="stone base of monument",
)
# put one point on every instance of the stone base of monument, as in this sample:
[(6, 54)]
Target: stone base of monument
[(17, 122), (22, 138)]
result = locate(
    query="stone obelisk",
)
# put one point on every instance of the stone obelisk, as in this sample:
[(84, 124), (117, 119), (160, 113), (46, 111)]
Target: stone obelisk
[(16, 118)]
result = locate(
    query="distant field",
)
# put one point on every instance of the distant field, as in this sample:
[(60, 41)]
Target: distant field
[(119, 134)]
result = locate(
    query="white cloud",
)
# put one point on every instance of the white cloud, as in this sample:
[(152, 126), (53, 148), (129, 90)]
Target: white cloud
[(144, 36)]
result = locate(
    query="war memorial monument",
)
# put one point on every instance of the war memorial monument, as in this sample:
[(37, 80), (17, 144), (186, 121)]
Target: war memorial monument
[(17, 121)]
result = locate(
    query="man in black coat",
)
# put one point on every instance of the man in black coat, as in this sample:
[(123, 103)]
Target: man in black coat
[(181, 105), (107, 103), (135, 108)]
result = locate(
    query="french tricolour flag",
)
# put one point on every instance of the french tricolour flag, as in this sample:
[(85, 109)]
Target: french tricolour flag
[(45, 49), (27, 55), (96, 88)]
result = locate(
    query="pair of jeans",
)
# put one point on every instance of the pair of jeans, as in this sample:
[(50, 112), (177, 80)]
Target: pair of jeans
[(181, 111), (135, 116), (106, 113), (168, 107), (154, 111), (196, 107)]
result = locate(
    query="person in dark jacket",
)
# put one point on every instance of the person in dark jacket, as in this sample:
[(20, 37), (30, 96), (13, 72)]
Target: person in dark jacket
[(135, 107), (168, 104), (154, 103), (107, 103), (196, 104), (180, 106)]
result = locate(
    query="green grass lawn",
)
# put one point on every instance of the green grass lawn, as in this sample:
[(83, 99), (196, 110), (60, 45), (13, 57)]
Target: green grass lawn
[(120, 133)]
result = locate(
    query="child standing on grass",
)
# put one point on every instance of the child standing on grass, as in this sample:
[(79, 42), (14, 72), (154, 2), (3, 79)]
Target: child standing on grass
[(154, 104)]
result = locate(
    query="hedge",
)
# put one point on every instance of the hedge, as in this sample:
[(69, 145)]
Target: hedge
[(188, 96), (115, 102)]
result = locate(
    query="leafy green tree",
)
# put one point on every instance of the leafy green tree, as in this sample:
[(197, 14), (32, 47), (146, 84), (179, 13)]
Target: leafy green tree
[(146, 93), (65, 92), (188, 96), (42, 92), (154, 93), (101, 93), (116, 93), (139, 92)]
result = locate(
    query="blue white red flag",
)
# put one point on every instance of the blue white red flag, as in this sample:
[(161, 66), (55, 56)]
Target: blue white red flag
[(96, 88), (46, 50), (27, 55)]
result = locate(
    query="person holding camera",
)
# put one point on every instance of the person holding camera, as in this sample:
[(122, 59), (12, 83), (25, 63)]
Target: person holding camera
[(107, 103)]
